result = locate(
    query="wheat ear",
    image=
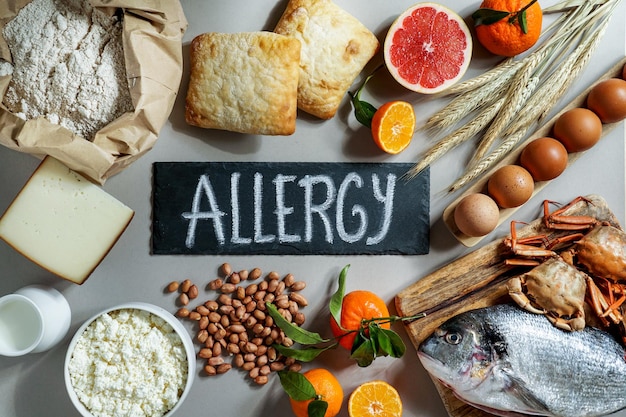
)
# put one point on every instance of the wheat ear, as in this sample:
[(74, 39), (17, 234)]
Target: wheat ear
[(490, 160), (456, 138)]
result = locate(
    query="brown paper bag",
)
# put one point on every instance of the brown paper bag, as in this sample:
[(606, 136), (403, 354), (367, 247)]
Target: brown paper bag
[(153, 31)]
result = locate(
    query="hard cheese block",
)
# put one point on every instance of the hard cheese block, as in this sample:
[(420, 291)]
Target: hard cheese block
[(63, 222)]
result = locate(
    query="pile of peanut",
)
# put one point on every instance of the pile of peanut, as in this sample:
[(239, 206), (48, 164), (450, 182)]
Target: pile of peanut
[(236, 324)]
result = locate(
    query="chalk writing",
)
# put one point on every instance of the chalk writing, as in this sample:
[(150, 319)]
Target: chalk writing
[(289, 208)]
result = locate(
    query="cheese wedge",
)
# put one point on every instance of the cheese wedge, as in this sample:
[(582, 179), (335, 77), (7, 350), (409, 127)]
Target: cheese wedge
[(63, 222)]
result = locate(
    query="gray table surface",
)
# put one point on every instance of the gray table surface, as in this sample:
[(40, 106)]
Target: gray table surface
[(33, 385)]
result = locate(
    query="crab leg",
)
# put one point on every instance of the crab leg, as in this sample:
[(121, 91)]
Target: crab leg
[(556, 221)]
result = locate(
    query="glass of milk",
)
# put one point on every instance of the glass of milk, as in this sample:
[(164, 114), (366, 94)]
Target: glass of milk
[(33, 319)]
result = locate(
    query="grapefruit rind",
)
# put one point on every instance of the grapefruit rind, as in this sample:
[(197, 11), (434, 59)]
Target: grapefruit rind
[(457, 48)]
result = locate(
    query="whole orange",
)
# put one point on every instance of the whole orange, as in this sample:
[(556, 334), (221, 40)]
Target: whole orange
[(506, 37), (357, 306), (327, 388)]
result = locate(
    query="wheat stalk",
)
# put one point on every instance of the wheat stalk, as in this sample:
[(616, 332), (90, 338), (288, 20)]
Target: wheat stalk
[(544, 75), (539, 105), (461, 106), (508, 65), (456, 138), (525, 82), (487, 162)]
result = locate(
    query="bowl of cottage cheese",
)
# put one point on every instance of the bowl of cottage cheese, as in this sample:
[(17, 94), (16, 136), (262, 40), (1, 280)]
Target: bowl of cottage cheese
[(134, 359)]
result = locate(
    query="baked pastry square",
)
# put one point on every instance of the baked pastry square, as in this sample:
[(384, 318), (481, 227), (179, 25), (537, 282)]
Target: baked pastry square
[(335, 49), (244, 82)]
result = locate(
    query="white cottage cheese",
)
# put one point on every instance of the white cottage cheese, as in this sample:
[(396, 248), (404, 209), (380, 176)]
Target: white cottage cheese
[(129, 362)]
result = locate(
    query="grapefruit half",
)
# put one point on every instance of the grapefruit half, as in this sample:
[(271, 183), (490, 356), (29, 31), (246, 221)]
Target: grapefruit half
[(428, 48)]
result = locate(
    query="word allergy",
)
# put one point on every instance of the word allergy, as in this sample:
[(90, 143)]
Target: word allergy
[(287, 208)]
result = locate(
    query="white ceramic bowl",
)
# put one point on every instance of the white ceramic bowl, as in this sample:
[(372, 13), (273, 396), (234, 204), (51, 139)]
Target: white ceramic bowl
[(155, 310)]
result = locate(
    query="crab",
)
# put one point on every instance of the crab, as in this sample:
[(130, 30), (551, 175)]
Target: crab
[(553, 288), (596, 249)]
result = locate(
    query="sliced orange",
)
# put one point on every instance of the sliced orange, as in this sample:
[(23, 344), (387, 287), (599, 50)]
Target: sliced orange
[(393, 126), (375, 399)]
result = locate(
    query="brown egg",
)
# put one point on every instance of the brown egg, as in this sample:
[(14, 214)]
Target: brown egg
[(545, 158), (608, 100), (476, 215), (511, 186), (578, 129), (624, 72)]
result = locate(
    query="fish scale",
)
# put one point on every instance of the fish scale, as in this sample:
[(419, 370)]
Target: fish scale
[(508, 362)]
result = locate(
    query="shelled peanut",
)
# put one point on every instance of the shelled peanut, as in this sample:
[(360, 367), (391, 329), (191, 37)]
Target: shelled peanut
[(235, 325)]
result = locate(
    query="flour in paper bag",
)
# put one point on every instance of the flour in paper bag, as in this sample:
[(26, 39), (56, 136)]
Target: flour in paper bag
[(68, 65)]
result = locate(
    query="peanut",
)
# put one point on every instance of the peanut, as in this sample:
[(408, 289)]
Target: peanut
[(203, 310), (237, 324), (228, 288), (226, 269), (289, 280), (205, 353), (255, 274), (185, 285), (172, 286), (261, 379), (183, 299), (192, 293), (223, 368)]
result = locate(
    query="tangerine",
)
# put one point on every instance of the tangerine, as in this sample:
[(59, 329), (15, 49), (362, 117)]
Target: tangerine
[(375, 399), (393, 126), (428, 48), (507, 37), (357, 306), (327, 388)]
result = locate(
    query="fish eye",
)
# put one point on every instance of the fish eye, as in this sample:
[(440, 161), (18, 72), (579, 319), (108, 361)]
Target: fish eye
[(453, 338)]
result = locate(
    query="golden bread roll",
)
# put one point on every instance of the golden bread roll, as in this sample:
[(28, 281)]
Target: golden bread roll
[(244, 82), (335, 49)]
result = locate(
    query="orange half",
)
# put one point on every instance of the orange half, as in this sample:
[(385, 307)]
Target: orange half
[(393, 126), (375, 399)]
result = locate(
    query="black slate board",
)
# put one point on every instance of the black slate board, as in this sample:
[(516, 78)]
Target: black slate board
[(289, 208)]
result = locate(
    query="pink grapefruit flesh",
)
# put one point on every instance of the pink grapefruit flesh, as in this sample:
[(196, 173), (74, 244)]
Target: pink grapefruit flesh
[(428, 48)]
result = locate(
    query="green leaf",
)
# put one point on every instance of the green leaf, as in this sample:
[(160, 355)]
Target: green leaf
[(293, 331), (363, 111), (521, 18), (396, 346), (380, 341), (486, 16), (296, 386), (303, 355), (336, 299), (363, 351), (317, 408)]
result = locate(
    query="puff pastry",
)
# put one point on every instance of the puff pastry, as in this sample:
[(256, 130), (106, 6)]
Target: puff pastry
[(335, 49), (244, 82)]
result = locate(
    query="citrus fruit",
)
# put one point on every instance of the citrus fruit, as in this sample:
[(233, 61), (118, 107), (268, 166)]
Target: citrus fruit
[(375, 399), (506, 37), (393, 125), (428, 48), (327, 388), (357, 306)]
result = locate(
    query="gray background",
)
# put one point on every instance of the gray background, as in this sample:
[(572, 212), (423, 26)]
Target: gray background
[(33, 385)]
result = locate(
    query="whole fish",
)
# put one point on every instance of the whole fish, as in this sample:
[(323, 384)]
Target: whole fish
[(509, 362)]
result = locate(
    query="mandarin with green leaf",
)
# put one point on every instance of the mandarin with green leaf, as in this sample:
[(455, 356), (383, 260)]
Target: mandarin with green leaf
[(356, 308), (508, 27), (327, 390)]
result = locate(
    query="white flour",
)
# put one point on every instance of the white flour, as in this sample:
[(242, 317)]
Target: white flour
[(68, 65)]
